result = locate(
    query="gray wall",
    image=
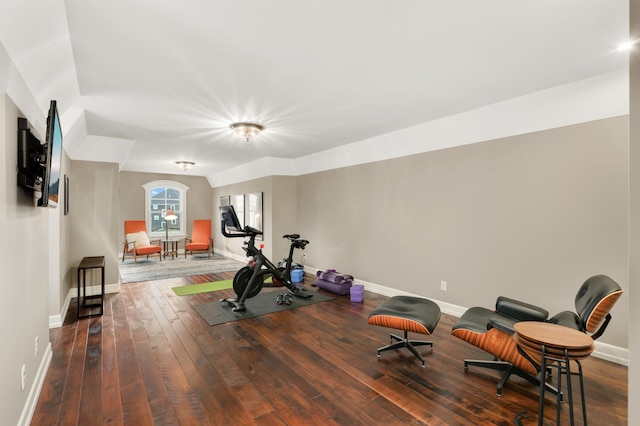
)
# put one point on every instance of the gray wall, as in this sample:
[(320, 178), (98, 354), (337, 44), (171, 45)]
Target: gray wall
[(529, 217), (284, 215), (93, 212), (24, 261), (59, 289), (132, 196)]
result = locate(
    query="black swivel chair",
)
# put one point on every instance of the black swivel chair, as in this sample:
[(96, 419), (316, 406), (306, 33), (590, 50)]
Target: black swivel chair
[(492, 330)]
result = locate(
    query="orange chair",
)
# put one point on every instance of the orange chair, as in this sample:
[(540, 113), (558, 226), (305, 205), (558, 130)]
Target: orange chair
[(200, 238), (136, 241)]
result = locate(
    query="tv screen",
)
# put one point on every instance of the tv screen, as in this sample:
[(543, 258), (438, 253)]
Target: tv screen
[(51, 184)]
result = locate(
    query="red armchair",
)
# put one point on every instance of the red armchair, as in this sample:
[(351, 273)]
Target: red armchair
[(136, 241), (200, 240)]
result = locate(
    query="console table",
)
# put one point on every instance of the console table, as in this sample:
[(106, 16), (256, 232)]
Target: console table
[(547, 345), (90, 301)]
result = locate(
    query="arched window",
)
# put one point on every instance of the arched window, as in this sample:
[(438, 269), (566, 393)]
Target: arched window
[(161, 195)]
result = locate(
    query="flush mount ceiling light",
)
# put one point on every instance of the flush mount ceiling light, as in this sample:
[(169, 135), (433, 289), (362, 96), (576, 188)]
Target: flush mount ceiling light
[(625, 46), (247, 130), (186, 165)]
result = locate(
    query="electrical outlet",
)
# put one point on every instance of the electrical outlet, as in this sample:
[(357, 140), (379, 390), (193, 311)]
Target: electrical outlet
[(304, 257), (36, 347), (443, 285), (23, 377)]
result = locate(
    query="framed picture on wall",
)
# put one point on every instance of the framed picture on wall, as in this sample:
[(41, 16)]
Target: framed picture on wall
[(237, 201), (225, 201), (66, 195), (254, 211)]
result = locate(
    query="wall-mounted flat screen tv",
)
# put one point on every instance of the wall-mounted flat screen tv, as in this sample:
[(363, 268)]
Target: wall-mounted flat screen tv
[(51, 184)]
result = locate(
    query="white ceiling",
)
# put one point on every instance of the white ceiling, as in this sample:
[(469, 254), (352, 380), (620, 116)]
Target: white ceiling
[(148, 82)]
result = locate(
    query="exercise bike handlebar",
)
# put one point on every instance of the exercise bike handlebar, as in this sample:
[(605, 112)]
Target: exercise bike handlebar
[(248, 231), (251, 232), (301, 244), (229, 220)]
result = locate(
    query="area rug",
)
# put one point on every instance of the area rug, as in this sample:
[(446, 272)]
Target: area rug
[(215, 313), (153, 269), (186, 290)]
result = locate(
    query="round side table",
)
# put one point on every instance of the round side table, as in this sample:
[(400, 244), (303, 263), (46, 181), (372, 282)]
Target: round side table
[(546, 345)]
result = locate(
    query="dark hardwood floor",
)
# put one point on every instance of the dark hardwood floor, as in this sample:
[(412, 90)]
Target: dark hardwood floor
[(151, 359)]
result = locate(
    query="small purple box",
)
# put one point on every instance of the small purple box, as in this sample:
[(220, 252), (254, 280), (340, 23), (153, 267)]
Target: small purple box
[(357, 289), (357, 292)]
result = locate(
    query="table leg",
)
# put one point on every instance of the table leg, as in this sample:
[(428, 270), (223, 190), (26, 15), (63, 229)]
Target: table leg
[(568, 362), (102, 297), (584, 402), (78, 293), (543, 369), (84, 286), (559, 395)]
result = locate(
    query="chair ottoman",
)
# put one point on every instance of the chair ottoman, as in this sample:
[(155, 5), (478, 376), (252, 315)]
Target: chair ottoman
[(406, 313)]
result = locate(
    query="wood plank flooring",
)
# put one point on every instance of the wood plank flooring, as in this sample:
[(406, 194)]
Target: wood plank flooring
[(152, 360)]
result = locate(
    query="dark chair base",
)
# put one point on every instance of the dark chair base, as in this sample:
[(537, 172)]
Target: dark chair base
[(507, 370), (405, 343)]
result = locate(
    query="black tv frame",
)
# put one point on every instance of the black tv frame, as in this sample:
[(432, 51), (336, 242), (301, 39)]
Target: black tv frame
[(51, 190)]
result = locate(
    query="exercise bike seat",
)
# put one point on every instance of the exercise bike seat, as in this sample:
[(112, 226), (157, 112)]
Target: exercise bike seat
[(291, 236)]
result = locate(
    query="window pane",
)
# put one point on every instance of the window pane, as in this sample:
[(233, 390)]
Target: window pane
[(157, 192), (161, 198)]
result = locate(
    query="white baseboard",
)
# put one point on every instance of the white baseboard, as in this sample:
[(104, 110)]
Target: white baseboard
[(445, 307), (238, 257), (36, 386), (611, 353), (55, 321)]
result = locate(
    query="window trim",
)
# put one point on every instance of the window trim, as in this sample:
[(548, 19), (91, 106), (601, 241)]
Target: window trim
[(182, 188)]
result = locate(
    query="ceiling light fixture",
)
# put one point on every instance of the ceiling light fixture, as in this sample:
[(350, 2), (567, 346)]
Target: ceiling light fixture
[(625, 46), (186, 165), (247, 130)]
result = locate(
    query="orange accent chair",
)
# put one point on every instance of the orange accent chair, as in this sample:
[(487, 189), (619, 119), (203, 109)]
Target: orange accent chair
[(200, 240), (493, 330), (137, 243)]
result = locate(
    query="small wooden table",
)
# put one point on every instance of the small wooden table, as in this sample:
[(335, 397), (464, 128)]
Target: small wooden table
[(170, 247), (545, 344), (95, 262)]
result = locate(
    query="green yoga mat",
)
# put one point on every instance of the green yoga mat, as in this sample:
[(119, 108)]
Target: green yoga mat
[(202, 288)]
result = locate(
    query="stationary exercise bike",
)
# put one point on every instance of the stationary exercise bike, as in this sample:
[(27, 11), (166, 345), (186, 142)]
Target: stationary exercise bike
[(250, 279)]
